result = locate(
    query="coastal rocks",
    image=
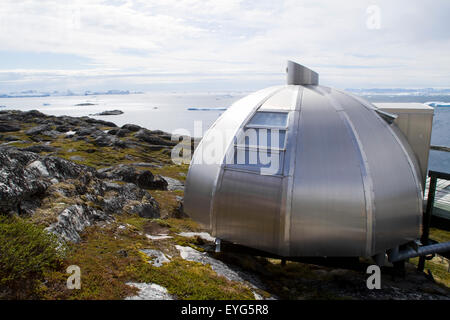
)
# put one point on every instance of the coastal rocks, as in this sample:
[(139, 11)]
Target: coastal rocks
[(109, 113), (131, 199), (19, 183), (9, 138), (27, 179), (152, 138), (173, 184), (131, 127), (39, 148), (149, 291), (100, 122), (8, 128), (85, 104), (62, 169), (145, 179), (148, 210), (74, 220), (84, 131), (120, 172), (103, 141), (38, 129), (122, 133), (63, 128)]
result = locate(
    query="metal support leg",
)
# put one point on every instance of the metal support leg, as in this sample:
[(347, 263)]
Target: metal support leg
[(218, 242), (380, 259), (426, 222)]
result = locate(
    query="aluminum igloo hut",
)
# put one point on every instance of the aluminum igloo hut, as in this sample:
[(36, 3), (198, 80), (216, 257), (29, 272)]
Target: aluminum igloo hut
[(346, 182)]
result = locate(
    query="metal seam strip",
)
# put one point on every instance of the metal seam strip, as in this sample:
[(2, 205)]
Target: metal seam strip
[(290, 176), (367, 184), (365, 175), (406, 155)]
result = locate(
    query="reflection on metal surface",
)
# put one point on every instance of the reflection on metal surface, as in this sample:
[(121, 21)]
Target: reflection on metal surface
[(342, 181)]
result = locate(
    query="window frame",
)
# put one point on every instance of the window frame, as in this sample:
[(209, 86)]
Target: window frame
[(256, 168)]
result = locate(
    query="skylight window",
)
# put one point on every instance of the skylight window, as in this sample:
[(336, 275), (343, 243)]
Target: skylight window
[(269, 119)]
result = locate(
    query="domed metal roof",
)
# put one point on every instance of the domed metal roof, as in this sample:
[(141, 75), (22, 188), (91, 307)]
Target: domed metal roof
[(306, 170)]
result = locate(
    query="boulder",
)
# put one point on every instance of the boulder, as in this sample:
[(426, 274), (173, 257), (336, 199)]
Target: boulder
[(73, 220), (131, 127), (39, 148), (120, 172), (122, 132), (144, 179), (147, 136), (109, 113), (8, 128), (38, 129)]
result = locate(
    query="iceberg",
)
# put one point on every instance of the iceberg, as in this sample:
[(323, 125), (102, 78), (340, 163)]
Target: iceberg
[(435, 104)]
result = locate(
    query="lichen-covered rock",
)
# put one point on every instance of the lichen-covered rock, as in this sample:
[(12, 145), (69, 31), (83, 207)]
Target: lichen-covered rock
[(131, 127), (8, 128), (152, 138), (150, 291), (20, 182), (156, 257), (73, 220), (27, 178), (144, 179), (174, 184), (39, 148), (120, 172), (131, 199), (147, 180), (38, 129)]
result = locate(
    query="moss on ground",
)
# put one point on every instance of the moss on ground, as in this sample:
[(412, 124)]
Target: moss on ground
[(109, 257), (178, 172), (439, 235)]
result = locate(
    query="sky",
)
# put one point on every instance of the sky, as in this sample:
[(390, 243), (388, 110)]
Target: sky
[(205, 45)]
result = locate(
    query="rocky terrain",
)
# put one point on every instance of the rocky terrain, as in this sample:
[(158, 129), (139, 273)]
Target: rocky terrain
[(113, 199)]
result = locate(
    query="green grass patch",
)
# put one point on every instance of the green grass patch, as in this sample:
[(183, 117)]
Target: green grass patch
[(192, 281), (439, 235)]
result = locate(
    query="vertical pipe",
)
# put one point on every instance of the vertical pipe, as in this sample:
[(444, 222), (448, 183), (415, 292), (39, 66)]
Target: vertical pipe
[(427, 219)]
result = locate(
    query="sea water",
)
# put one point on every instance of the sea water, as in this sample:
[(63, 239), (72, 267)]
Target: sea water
[(174, 111)]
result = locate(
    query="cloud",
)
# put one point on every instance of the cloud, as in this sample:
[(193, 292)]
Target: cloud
[(234, 42)]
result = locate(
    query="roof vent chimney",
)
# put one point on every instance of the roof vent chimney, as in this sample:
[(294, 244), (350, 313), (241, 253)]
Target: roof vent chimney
[(300, 75)]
